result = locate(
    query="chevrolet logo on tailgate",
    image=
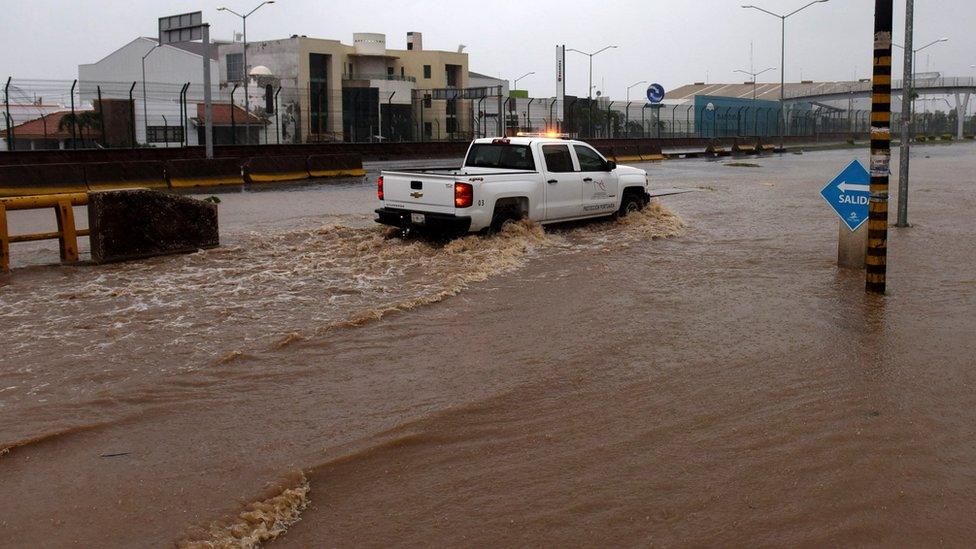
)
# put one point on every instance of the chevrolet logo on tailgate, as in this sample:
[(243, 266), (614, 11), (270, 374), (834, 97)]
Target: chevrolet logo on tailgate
[(417, 194)]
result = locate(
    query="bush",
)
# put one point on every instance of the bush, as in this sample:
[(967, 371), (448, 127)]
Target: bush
[(970, 137), (947, 137), (921, 139)]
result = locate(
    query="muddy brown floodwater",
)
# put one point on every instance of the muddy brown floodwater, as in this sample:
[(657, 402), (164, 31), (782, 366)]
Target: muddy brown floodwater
[(700, 374)]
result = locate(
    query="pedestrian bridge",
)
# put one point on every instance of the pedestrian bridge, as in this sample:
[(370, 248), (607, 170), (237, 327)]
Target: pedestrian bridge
[(832, 91)]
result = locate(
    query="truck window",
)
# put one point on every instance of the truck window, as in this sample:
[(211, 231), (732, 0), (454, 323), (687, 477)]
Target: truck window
[(590, 160), (498, 155), (558, 158)]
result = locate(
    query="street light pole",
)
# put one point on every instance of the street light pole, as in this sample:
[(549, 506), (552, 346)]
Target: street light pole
[(247, 97), (627, 108), (145, 110), (782, 72), (590, 98), (754, 76)]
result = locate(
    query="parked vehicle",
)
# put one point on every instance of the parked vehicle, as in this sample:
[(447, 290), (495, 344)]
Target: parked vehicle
[(545, 179)]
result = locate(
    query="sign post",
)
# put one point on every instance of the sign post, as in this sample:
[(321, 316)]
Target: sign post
[(187, 27), (848, 194)]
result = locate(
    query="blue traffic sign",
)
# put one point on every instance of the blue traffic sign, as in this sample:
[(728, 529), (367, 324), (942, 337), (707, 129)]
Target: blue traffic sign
[(655, 93), (849, 193)]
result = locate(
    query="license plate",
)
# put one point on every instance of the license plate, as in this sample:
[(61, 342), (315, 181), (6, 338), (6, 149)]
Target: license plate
[(418, 219)]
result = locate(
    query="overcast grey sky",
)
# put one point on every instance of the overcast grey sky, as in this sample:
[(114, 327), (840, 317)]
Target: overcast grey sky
[(671, 42)]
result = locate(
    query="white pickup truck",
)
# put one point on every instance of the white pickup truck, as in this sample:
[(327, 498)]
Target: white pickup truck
[(545, 179)]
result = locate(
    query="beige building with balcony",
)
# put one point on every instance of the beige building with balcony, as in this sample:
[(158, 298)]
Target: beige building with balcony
[(331, 91)]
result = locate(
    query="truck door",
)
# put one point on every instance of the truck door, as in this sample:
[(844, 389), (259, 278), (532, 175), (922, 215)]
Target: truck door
[(563, 186), (599, 184)]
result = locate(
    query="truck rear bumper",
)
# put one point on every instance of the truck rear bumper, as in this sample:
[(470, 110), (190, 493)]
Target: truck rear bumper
[(433, 222)]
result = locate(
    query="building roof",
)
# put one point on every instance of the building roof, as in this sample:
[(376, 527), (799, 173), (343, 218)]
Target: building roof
[(196, 48), (46, 127), (472, 74), (221, 115)]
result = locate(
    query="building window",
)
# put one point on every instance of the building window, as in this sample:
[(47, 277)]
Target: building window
[(403, 73), (389, 71), (453, 75), (428, 101), (452, 125), (235, 67), (318, 74), (164, 134), (428, 129), (427, 72), (451, 107)]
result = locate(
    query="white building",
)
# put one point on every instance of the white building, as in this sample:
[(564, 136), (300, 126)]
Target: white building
[(157, 96)]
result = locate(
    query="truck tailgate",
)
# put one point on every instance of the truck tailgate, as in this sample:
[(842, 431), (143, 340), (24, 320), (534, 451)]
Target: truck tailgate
[(423, 192)]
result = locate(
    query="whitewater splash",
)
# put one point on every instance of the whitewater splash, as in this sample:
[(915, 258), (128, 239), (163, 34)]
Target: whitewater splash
[(259, 522)]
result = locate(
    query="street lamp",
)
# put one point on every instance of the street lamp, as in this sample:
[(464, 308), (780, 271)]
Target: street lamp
[(782, 70), (915, 54), (754, 76), (591, 56), (247, 100), (627, 108), (632, 86), (515, 86)]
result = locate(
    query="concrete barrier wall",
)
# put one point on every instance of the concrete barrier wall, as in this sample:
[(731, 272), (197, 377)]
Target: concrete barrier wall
[(204, 173), (132, 224), (21, 180), (276, 169), (114, 175), (335, 165)]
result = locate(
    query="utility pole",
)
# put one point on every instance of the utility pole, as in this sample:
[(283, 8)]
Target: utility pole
[(876, 263), (907, 93)]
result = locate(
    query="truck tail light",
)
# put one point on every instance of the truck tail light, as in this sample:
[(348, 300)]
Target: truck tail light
[(463, 195), (379, 188)]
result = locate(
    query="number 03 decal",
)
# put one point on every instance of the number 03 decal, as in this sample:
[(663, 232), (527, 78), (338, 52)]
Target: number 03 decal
[(481, 202)]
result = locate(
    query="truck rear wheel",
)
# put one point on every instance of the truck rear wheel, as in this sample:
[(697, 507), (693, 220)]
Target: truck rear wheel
[(504, 213)]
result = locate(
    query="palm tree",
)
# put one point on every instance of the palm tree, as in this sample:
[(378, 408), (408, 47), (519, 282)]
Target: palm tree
[(83, 120)]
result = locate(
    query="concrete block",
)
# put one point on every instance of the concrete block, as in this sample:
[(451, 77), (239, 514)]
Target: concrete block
[(132, 224)]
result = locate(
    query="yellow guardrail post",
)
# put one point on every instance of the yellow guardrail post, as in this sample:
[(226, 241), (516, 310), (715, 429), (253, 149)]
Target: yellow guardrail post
[(66, 227)]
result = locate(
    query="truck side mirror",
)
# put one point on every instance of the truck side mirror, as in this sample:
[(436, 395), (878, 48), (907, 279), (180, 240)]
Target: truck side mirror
[(611, 165)]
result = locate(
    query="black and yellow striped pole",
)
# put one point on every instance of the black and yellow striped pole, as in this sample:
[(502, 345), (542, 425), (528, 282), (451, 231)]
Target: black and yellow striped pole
[(877, 254)]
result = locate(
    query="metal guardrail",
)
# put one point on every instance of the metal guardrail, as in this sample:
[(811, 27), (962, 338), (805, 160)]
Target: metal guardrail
[(67, 234)]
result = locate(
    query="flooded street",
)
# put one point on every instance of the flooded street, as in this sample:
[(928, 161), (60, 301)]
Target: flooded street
[(697, 374)]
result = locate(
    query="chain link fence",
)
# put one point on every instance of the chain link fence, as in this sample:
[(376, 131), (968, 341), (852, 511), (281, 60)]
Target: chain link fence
[(65, 114)]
